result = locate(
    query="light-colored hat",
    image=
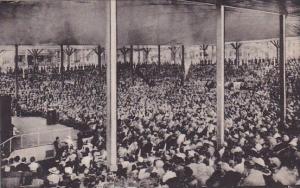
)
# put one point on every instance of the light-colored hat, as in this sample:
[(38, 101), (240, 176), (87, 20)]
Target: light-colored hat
[(264, 129), (259, 161), (276, 161), (168, 176), (235, 136), (140, 159), (54, 170), (226, 167), (294, 142), (191, 153), (286, 138), (68, 170), (258, 147), (237, 150), (187, 142), (159, 164), (125, 164), (181, 155), (276, 135)]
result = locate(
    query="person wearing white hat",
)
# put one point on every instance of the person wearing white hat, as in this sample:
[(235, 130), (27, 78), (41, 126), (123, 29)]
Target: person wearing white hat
[(168, 175), (158, 168), (143, 174), (286, 176), (54, 177), (256, 175), (293, 142), (69, 141), (240, 167)]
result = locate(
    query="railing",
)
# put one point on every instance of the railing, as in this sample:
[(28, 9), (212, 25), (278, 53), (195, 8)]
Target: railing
[(34, 139)]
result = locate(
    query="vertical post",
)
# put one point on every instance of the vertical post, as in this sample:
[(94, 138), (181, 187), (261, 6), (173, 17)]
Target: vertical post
[(220, 74), (158, 56), (38, 139), (111, 73), (99, 58), (61, 61), (16, 72), (282, 62), (21, 141), (182, 65), (131, 55), (139, 54), (10, 142), (131, 63)]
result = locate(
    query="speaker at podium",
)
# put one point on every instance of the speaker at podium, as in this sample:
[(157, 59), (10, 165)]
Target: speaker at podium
[(6, 128), (52, 117)]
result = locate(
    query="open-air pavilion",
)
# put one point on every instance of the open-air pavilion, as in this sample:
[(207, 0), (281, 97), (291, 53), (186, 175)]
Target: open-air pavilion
[(117, 23)]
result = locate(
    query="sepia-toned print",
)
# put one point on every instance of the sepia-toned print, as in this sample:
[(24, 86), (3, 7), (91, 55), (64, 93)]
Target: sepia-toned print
[(150, 93)]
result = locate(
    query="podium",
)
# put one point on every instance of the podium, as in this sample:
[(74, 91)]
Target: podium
[(52, 117), (6, 127)]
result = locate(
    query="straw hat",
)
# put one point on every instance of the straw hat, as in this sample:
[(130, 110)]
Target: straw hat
[(68, 170), (259, 161), (54, 170), (294, 142), (276, 161)]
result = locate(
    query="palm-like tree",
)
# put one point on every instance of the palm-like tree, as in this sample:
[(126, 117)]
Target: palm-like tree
[(237, 47), (146, 53), (99, 51), (277, 46), (173, 50), (203, 48), (69, 51), (124, 52), (35, 54)]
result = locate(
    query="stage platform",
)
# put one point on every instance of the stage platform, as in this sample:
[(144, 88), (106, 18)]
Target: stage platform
[(33, 132), (35, 124)]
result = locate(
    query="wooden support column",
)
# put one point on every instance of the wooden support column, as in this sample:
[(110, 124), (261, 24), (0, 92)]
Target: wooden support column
[(158, 56), (99, 58), (139, 54), (182, 65), (131, 63), (282, 62), (220, 74), (61, 61), (111, 74), (131, 55), (16, 72)]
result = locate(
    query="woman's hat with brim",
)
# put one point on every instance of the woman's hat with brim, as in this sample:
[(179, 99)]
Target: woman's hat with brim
[(54, 170), (259, 161), (68, 170)]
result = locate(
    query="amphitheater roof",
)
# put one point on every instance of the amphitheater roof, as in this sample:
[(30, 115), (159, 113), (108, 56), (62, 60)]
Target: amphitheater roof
[(145, 22)]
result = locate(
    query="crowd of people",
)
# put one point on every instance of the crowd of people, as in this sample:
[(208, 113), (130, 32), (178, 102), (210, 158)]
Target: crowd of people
[(167, 130)]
